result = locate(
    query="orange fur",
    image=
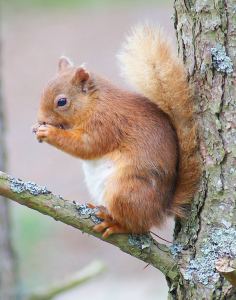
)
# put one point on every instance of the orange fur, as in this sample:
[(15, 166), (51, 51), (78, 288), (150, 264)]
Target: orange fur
[(150, 64), (151, 147)]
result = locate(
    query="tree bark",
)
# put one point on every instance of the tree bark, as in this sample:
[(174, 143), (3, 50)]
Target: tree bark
[(7, 259), (206, 34)]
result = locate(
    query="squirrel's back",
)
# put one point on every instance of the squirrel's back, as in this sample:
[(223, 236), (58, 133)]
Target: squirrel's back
[(143, 129), (149, 63)]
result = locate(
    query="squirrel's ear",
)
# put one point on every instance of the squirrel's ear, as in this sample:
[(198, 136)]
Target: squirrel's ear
[(64, 63), (80, 77)]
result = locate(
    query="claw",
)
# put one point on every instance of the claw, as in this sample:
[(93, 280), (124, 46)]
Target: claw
[(115, 228), (102, 212), (108, 226), (104, 216), (103, 225), (90, 205)]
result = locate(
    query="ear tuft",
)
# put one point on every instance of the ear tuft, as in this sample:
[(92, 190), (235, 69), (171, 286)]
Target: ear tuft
[(80, 76), (64, 63)]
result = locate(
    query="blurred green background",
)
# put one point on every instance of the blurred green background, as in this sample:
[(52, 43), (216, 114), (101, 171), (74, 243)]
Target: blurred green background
[(62, 4)]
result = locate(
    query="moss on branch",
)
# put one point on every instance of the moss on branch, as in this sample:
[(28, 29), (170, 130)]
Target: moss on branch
[(143, 247)]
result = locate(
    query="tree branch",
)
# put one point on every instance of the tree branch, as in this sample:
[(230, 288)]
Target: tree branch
[(93, 269), (143, 247)]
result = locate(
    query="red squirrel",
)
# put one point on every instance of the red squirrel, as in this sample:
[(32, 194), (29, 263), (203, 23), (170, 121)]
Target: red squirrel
[(139, 150)]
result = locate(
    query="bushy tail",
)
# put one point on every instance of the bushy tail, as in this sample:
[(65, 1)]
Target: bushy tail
[(149, 63)]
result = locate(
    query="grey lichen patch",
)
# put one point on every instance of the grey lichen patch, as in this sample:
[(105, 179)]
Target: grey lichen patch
[(221, 243), (87, 212), (141, 241), (234, 9), (176, 249), (19, 186), (203, 69), (221, 62), (202, 5), (212, 22), (57, 207)]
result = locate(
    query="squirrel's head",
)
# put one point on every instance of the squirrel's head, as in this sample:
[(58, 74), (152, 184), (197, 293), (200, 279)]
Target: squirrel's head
[(68, 97)]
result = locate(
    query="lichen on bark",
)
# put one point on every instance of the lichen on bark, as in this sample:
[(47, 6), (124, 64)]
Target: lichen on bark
[(206, 35)]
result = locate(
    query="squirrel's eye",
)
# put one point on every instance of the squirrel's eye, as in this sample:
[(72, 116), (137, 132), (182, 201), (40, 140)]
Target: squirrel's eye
[(62, 102)]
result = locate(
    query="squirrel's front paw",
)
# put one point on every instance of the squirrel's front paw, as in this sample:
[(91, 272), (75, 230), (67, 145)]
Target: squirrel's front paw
[(35, 127), (44, 133)]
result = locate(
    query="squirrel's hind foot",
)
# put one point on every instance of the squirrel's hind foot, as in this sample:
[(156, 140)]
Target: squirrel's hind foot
[(109, 228)]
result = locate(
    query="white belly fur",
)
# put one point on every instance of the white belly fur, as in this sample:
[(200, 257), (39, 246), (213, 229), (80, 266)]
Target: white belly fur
[(97, 172)]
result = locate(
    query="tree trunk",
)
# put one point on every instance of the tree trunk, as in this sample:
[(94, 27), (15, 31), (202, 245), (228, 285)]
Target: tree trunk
[(206, 34), (7, 262)]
